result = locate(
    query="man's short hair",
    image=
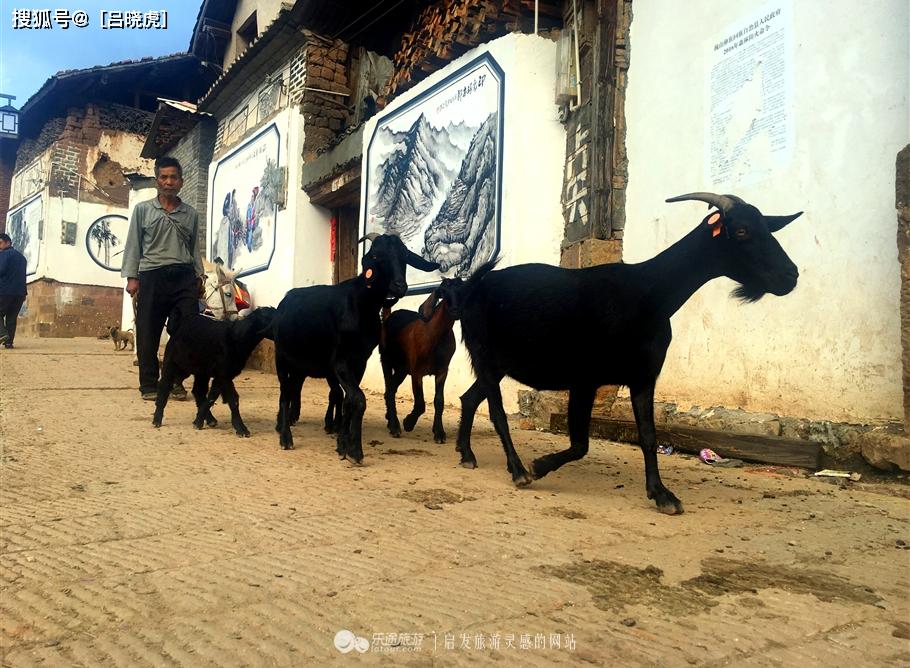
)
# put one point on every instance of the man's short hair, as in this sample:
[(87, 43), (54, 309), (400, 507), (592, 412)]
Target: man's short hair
[(6, 238), (168, 161)]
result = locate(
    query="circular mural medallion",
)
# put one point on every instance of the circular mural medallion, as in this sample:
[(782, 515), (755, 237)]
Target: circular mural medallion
[(105, 240)]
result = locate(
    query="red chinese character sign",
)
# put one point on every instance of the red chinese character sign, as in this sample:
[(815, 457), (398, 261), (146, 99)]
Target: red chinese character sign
[(434, 172)]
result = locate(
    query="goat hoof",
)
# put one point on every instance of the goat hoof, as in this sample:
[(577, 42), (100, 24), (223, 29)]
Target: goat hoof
[(537, 470), (197, 425), (409, 423), (522, 479), (667, 502), (673, 507), (243, 434), (469, 463), (156, 424), (439, 438)]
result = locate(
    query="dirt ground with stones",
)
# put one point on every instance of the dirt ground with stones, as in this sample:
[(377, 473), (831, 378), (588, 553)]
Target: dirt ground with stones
[(125, 545)]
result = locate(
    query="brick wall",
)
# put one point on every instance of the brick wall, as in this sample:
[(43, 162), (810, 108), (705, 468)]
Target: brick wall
[(325, 114), (71, 138), (62, 310), (194, 151), (7, 166)]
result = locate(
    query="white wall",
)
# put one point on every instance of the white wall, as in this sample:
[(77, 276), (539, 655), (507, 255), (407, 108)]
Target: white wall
[(831, 349), (534, 147), (73, 264)]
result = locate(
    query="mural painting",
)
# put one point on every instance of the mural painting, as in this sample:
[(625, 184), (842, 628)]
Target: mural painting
[(434, 172), (23, 224), (244, 205), (104, 241)]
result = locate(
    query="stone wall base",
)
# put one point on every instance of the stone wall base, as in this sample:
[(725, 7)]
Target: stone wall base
[(882, 445), (63, 310)]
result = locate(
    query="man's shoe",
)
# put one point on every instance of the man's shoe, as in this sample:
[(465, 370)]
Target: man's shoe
[(149, 396), (178, 392)]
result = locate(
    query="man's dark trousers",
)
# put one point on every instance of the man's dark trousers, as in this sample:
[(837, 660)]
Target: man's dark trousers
[(9, 313), (169, 292)]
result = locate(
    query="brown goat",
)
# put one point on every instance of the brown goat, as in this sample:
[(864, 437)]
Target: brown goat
[(420, 344)]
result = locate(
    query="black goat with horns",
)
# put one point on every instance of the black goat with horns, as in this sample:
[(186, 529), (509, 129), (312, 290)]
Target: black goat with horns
[(544, 326), (329, 331)]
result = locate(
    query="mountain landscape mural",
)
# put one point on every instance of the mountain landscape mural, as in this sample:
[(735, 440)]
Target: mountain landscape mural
[(463, 234), (414, 178)]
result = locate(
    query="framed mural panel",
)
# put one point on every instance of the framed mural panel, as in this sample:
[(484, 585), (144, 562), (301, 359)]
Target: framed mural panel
[(104, 241), (24, 226), (434, 173), (244, 204)]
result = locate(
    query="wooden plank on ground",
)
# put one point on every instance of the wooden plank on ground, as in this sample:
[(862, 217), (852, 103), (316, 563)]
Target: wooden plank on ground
[(748, 447)]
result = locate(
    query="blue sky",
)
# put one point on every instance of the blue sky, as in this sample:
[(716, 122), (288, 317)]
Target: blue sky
[(29, 56)]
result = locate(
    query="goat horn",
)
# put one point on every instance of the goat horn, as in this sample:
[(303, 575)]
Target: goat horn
[(722, 202), (371, 237)]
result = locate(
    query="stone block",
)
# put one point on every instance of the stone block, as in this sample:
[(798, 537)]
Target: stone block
[(887, 452)]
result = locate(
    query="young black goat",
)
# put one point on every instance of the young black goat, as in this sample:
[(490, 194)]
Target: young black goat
[(420, 344), (542, 325), (216, 350), (329, 331)]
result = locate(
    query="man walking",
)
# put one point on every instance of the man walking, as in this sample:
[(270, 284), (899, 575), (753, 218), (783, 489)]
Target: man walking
[(163, 269), (12, 289)]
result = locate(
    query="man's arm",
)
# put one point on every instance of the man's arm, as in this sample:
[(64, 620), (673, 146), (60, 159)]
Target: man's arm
[(131, 252), (197, 256), (6, 274)]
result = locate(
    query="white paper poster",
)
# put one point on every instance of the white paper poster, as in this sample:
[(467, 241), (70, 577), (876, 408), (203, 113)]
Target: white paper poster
[(749, 98)]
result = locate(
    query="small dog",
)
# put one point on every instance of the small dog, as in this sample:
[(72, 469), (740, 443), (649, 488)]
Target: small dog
[(122, 337)]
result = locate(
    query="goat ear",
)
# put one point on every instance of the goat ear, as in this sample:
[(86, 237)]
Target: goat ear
[(418, 262), (776, 223), (426, 309)]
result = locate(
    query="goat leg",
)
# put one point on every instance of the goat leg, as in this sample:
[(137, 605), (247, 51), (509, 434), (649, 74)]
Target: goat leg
[(165, 383), (333, 412), (285, 440), (200, 394), (230, 396), (470, 400), (520, 476), (393, 380), (420, 406), (349, 373), (581, 400), (439, 432), (294, 414), (643, 406)]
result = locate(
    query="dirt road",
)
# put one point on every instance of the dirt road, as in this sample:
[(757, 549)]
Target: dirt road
[(129, 546)]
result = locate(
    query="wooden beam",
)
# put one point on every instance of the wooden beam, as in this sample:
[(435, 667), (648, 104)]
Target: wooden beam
[(340, 190), (748, 447)]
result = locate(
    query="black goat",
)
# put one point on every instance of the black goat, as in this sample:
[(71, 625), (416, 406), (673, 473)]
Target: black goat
[(215, 350), (546, 327), (420, 344), (329, 331)]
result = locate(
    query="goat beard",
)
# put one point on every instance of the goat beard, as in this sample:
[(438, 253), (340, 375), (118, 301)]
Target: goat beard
[(746, 294)]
